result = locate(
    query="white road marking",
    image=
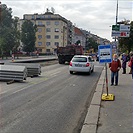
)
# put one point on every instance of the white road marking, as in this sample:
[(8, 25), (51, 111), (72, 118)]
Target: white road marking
[(22, 89), (54, 74), (32, 84), (3, 92)]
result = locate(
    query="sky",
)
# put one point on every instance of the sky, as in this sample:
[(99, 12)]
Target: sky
[(96, 16)]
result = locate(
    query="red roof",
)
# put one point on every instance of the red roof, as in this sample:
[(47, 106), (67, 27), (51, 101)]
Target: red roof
[(78, 31)]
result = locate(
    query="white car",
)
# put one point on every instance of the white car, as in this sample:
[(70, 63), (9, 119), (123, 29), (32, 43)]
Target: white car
[(81, 63)]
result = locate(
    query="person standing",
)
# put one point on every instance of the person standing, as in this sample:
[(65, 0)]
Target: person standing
[(124, 62), (131, 59), (130, 55), (115, 66)]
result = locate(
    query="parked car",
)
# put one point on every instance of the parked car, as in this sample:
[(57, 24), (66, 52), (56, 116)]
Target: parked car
[(81, 63)]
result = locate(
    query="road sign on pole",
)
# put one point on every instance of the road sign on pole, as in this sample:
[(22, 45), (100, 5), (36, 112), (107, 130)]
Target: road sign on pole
[(105, 53), (124, 27), (124, 34), (120, 30), (105, 56), (115, 27)]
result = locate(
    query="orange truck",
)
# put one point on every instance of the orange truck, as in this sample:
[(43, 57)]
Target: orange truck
[(65, 54)]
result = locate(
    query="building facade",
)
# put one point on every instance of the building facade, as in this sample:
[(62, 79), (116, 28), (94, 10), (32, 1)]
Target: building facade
[(79, 36), (52, 31)]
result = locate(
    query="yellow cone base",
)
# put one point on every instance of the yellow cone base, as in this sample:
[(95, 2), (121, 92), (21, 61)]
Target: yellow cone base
[(109, 97)]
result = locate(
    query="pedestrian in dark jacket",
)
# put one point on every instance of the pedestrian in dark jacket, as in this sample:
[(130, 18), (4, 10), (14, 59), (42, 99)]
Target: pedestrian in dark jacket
[(124, 62), (115, 66)]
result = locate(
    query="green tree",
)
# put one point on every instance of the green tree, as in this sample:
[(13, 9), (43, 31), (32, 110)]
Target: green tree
[(6, 17), (78, 42), (126, 44), (91, 43), (5, 29), (28, 36), (16, 34), (8, 31)]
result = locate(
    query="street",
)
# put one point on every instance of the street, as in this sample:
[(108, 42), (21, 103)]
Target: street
[(54, 102)]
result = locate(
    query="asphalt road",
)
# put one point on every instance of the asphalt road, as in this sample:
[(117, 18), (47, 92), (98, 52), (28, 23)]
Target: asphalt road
[(54, 102)]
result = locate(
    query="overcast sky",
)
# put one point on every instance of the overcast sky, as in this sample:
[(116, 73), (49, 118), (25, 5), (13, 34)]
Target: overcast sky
[(95, 16)]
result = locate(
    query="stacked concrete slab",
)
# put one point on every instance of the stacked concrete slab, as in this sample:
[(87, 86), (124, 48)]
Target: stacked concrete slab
[(33, 69), (15, 73)]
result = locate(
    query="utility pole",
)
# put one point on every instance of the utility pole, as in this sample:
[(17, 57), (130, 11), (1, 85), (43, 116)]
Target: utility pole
[(117, 12), (116, 22), (0, 12)]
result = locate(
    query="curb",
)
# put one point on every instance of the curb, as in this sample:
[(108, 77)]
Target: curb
[(91, 121)]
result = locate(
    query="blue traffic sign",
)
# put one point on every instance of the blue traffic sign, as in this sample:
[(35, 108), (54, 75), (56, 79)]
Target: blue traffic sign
[(105, 53)]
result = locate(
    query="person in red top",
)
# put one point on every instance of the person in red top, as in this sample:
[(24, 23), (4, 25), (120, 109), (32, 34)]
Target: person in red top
[(131, 59), (115, 66)]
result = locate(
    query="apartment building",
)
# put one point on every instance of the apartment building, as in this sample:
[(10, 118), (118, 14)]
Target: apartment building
[(79, 36), (52, 30), (70, 33)]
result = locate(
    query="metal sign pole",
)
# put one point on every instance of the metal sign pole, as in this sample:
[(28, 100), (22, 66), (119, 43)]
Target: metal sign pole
[(107, 96), (106, 76), (105, 56)]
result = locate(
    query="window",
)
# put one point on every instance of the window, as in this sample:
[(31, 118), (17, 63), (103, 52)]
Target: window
[(56, 30), (38, 17), (40, 50), (48, 50), (40, 23), (42, 16), (48, 23), (48, 43), (89, 59), (56, 43), (48, 36), (49, 16), (39, 43), (39, 30), (48, 30), (32, 16), (56, 37), (79, 59), (56, 22), (39, 36)]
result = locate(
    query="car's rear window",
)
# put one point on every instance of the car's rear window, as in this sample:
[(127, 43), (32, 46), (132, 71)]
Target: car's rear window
[(79, 59)]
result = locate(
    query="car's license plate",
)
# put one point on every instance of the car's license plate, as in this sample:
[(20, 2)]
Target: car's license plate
[(78, 65)]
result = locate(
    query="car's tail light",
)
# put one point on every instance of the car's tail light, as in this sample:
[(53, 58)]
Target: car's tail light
[(70, 64), (87, 64)]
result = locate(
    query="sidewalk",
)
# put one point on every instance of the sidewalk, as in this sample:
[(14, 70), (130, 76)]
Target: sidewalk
[(117, 116), (111, 116)]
